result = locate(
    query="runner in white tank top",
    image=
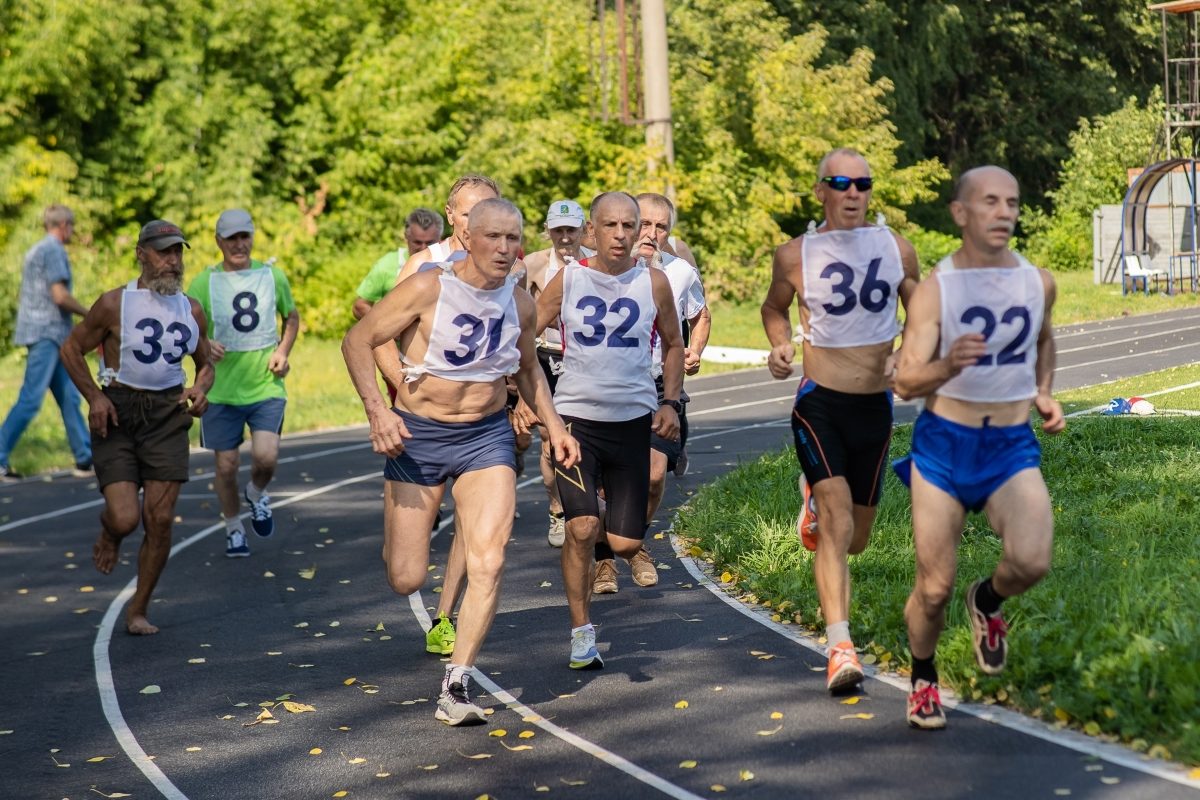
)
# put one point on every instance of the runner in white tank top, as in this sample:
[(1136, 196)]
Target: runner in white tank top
[(608, 309), (849, 277), (141, 416), (978, 343), (450, 422)]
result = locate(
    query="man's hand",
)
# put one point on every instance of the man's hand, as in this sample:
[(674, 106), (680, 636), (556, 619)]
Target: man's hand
[(194, 401), (101, 412), (965, 352), (216, 350), (523, 418), (666, 423), (691, 361), (278, 364), (565, 449), (388, 433), (780, 360), (1051, 411)]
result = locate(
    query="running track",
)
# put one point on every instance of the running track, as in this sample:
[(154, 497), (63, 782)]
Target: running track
[(72, 695)]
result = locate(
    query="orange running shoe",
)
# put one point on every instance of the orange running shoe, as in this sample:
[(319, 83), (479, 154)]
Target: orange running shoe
[(844, 669), (806, 520)]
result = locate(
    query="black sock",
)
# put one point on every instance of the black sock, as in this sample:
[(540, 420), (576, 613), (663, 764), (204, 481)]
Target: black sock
[(603, 551), (923, 670), (987, 599)]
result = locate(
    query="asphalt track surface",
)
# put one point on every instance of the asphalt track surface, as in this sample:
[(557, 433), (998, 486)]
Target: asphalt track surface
[(237, 633)]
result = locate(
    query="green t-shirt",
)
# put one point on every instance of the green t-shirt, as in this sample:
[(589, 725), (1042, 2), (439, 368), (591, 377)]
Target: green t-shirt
[(243, 377), (382, 277)]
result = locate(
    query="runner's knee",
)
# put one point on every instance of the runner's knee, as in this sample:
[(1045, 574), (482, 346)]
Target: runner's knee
[(933, 594), (120, 522), (405, 580)]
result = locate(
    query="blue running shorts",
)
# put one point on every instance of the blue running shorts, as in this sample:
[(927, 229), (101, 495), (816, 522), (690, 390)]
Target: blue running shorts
[(439, 451), (223, 425), (969, 464)]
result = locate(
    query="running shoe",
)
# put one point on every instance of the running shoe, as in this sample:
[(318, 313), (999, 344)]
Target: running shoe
[(557, 534), (454, 705), (584, 654), (844, 670), (642, 567), (260, 514), (606, 577), (235, 545), (84, 469), (925, 707), (806, 520), (440, 639), (681, 463), (8, 473), (990, 635)]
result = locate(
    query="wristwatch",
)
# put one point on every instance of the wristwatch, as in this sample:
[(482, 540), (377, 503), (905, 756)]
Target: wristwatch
[(675, 404)]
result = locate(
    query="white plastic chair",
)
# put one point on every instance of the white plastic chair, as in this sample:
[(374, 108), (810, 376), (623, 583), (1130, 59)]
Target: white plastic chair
[(1138, 266)]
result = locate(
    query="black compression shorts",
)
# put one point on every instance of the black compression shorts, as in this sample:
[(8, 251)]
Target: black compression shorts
[(843, 435), (615, 457)]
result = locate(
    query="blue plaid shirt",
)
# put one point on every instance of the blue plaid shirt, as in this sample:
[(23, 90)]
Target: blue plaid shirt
[(38, 317)]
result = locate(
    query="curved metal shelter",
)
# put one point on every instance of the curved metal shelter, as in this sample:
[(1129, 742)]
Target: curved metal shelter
[(1159, 226)]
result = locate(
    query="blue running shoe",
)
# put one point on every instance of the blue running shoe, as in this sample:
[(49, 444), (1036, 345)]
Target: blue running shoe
[(584, 654), (260, 514), (235, 545)]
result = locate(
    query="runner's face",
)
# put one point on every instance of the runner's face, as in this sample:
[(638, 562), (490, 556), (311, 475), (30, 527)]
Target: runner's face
[(846, 209), (565, 240), (988, 214), (162, 270), (616, 227), (418, 239), (236, 249), (466, 199), (655, 228), (493, 243)]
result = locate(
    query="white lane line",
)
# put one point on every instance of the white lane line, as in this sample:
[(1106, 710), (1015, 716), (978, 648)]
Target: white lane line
[(1062, 368), (722, 409), (1114, 754), (1138, 323), (1133, 339), (104, 679), (732, 388), (60, 512), (417, 605)]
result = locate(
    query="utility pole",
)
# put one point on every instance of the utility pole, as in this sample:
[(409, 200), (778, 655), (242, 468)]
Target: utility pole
[(657, 82)]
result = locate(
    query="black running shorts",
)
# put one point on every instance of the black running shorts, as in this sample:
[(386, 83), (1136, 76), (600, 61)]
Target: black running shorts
[(615, 457), (843, 435)]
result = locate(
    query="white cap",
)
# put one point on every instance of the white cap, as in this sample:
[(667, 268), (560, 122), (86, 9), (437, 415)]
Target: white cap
[(564, 213), (235, 220)]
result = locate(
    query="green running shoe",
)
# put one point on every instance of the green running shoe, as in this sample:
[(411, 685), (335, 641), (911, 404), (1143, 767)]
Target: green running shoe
[(440, 639)]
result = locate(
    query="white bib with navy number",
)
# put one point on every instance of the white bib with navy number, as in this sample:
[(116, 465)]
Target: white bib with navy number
[(243, 309), (474, 333), (1006, 305), (607, 324), (157, 331), (851, 282)]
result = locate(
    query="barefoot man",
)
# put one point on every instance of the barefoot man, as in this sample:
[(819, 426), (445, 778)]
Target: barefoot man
[(141, 411)]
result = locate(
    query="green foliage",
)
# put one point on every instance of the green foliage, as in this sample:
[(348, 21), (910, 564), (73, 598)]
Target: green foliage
[(1108, 640)]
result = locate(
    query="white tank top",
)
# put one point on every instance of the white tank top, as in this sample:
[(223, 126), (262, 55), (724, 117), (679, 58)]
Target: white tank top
[(851, 282), (157, 331), (474, 333), (1006, 305), (551, 339), (688, 293), (607, 323), (243, 309)]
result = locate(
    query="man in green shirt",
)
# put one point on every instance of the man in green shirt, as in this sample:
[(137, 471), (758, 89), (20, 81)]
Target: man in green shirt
[(241, 298), (421, 229)]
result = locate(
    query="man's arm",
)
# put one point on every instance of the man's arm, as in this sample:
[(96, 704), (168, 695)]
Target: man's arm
[(195, 397), (549, 303), (361, 307), (701, 326), (65, 300), (918, 373), (777, 308), (86, 337), (1051, 411), (666, 421), (912, 269)]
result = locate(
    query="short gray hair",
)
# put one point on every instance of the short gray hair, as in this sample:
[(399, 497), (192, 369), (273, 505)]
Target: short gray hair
[(424, 218), (495, 204), (470, 179), (662, 201), (56, 215), (837, 151)]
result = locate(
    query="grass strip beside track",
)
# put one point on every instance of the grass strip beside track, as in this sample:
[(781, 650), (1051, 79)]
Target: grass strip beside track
[(1108, 643)]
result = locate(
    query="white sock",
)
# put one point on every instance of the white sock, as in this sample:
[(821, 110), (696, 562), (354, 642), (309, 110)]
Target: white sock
[(837, 632), (587, 627), (454, 673), (253, 492), (232, 524)]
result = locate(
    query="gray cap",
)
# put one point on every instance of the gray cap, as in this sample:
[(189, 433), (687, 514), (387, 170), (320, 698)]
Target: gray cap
[(158, 234), (235, 220)]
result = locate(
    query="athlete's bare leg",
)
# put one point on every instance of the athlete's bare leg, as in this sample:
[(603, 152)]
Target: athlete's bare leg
[(158, 515)]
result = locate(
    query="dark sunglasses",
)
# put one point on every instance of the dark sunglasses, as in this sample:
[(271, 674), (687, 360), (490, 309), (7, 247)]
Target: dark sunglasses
[(840, 183)]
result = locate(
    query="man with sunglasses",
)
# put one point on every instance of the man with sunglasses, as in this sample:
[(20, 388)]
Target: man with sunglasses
[(848, 275), (978, 343)]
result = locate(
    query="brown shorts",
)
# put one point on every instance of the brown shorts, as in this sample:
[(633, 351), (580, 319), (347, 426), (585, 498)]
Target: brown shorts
[(150, 443)]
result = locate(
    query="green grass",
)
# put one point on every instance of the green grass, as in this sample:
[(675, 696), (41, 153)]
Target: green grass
[(1109, 642)]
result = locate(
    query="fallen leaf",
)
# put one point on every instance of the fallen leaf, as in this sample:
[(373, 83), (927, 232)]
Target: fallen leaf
[(859, 715), (776, 715), (345, 581), (379, 627), (746, 775), (525, 735), (383, 774), (240, 705), (334, 624), (268, 574), (300, 625), (541, 788), (274, 652), (318, 635), (51, 599), (1110, 780), (195, 660), (498, 732), (1061, 715), (349, 681), (726, 577), (767, 657), (1062, 792), (545, 585), (428, 767), (284, 696), (227, 716), (573, 783), (340, 793), (192, 749), (757, 653), (297, 708), (659, 535), (682, 704), (688, 764), (301, 666), (518, 747), (98, 759), (477, 756), (316, 751), (1195, 774), (385, 638), (851, 701), (151, 689), (771, 732), (113, 796), (357, 760), (87, 588), (307, 574), (5, 733), (716, 787), (869, 658)]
